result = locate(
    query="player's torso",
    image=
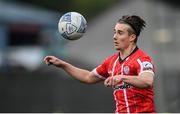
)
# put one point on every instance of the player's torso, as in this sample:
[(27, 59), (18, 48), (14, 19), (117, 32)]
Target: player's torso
[(129, 98)]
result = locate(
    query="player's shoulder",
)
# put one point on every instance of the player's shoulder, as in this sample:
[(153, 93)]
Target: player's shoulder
[(111, 57), (144, 61), (142, 55)]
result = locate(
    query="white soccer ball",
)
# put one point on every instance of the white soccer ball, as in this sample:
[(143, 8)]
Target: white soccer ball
[(72, 25)]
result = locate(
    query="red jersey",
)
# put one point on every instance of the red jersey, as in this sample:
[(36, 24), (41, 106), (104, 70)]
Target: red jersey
[(129, 99)]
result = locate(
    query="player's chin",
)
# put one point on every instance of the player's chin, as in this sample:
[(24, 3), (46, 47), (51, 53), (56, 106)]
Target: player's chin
[(117, 48)]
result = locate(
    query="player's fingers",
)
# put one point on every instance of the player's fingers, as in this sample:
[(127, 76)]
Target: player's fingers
[(51, 61), (111, 81), (47, 60), (48, 57), (106, 82)]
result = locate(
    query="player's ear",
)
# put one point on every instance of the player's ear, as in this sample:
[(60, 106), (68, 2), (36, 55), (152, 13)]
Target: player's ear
[(132, 37)]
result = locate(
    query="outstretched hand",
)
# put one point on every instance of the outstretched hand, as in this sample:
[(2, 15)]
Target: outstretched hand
[(52, 60)]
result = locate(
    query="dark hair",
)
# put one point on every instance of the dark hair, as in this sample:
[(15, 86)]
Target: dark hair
[(136, 23)]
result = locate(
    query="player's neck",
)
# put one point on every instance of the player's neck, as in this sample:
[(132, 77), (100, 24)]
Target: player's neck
[(126, 52)]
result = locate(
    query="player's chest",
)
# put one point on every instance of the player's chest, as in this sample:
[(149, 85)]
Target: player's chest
[(127, 67)]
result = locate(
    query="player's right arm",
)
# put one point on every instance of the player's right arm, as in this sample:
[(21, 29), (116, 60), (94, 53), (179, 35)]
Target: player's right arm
[(82, 75)]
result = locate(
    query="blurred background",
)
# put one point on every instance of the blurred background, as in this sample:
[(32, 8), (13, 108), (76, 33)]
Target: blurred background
[(28, 32)]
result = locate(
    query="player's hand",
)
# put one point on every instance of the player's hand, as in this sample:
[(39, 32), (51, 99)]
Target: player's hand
[(113, 80), (52, 60)]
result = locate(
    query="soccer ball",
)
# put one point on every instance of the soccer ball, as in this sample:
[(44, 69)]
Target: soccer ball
[(72, 25)]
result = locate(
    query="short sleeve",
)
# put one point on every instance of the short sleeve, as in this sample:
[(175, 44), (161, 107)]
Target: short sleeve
[(102, 70), (145, 64)]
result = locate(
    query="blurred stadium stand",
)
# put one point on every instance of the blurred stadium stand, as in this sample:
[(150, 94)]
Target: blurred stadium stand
[(27, 32)]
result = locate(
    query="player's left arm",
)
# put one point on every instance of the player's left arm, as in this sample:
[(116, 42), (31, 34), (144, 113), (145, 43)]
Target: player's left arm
[(144, 79)]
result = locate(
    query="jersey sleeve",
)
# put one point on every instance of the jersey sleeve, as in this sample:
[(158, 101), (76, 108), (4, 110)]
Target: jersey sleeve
[(145, 64), (101, 71)]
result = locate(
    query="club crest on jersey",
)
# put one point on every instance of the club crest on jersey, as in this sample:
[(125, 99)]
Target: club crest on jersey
[(126, 69), (147, 65)]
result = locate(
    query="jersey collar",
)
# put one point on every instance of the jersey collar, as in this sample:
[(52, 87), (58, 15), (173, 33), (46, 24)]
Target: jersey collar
[(122, 60)]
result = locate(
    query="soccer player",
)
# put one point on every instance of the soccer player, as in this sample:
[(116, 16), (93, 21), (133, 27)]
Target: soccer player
[(130, 71)]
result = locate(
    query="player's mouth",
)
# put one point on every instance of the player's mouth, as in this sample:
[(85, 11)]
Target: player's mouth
[(116, 44)]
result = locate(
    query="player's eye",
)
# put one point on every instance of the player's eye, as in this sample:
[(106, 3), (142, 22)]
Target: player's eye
[(120, 32)]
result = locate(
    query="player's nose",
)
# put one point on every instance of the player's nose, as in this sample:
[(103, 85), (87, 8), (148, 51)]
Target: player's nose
[(115, 37)]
